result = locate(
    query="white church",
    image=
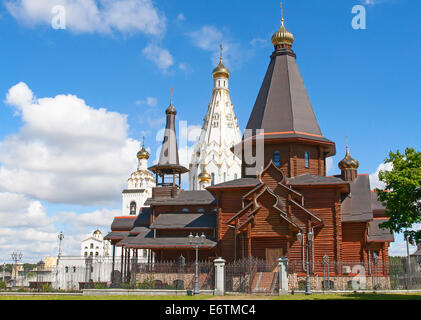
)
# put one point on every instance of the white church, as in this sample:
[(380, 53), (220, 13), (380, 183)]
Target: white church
[(139, 185), (212, 160)]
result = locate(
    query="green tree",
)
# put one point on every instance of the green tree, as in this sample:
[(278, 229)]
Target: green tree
[(402, 196)]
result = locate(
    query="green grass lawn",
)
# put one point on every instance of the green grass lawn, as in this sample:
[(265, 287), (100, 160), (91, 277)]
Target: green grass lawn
[(350, 296)]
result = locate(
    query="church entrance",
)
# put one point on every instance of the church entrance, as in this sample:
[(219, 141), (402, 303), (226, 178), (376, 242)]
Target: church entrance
[(272, 256)]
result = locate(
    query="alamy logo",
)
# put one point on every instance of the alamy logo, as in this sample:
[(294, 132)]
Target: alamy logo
[(59, 17), (359, 21)]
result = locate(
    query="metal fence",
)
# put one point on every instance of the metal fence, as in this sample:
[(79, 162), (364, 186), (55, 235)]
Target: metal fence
[(256, 276)]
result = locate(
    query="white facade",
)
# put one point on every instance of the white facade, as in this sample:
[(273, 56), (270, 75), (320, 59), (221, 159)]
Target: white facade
[(95, 246), (220, 131), (139, 186)]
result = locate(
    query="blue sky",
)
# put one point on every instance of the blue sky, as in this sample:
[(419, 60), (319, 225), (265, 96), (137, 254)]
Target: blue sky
[(364, 83)]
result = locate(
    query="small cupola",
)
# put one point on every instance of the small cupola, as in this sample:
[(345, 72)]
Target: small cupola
[(221, 71), (349, 166), (143, 153), (282, 38)]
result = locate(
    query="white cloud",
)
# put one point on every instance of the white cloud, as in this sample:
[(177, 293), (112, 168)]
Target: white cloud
[(25, 226), (181, 17), (150, 101), (160, 56), (374, 177), (186, 68), (93, 16), (209, 38), (329, 165), (96, 219), (66, 151)]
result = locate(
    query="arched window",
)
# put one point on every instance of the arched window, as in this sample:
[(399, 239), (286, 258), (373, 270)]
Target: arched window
[(235, 176), (277, 158), (92, 245), (225, 176), (213, 179), (86, 254), (307, 159), (96, 254), (133, 208)]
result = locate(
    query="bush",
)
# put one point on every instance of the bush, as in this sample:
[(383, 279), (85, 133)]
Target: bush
[(3, 285), (149, 283), (46, 288), (100, 286)]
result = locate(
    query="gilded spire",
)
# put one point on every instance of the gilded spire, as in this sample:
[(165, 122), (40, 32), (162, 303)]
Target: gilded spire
[(143, 153), (348, 162), (171, 109), (221, 71), (282, 36)]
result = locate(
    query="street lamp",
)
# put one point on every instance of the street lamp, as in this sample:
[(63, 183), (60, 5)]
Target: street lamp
[(16, 257), (197, 241), (307, 245)]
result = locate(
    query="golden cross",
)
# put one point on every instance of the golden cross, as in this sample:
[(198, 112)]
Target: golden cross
[(282, 12), (143, 141), (220, 56), (172, 93)]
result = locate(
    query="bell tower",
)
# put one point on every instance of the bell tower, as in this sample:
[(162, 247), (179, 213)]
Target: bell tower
[(292, 136)]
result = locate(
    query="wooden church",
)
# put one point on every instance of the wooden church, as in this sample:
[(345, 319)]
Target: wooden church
[(285, 206)]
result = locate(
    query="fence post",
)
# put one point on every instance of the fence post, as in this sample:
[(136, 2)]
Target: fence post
[(219, 276), (283, 276)]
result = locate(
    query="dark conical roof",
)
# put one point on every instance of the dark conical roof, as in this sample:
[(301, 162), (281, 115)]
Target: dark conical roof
[(168, 160), (283, 108)]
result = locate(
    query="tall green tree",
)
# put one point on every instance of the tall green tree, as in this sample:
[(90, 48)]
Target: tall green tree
[(402, 195)]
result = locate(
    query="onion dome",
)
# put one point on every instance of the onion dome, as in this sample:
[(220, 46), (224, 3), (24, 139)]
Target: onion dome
[(221, 71), (97, 232), (204, 176), (282, 36), (143, 153), (348, 162)]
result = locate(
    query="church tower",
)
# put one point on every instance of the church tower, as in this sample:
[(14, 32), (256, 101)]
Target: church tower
[(139, 185), (168, 171), (292, 136), (220, 131)]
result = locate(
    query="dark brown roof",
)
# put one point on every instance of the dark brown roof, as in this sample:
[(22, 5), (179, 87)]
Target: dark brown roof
[(357, 204), (134, 191), (168, 160), (282, 105), (185, 198), (143, 219), (376, 234), (147, 241), (376, 205), (308, 179), (184, 221), (242, 182), (116, 235), (123, 223)]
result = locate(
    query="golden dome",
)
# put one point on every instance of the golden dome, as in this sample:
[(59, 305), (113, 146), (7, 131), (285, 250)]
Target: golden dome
[(221, 71), (97, 232), (204, 176), (282, 36), (143, 153), (348, 162)]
